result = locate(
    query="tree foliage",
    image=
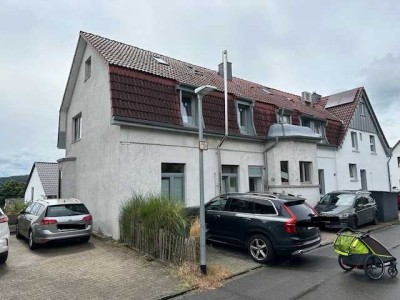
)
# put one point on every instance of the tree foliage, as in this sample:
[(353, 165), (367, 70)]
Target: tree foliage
[(11, 189)]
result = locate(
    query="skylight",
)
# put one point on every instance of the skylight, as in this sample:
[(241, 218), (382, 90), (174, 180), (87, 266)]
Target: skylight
[(161, 61), (266, 90)]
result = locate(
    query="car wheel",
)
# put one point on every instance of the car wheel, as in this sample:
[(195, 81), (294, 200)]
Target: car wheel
[(353, 222), (32, 244), (260, 249), (17, 234), (376, 220), (3, 258)]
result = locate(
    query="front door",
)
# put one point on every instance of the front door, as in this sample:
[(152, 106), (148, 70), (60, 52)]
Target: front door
[(363, 176)]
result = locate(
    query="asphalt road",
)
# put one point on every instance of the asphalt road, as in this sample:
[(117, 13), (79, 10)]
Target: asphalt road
[(315, 275)]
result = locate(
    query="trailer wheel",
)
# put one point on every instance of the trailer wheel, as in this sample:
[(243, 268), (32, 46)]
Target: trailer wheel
[(392, 271), (374, 267), (343, 265)]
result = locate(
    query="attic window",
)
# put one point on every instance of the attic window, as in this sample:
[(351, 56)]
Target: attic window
[(88, 68), (267, 91), (161, 61)]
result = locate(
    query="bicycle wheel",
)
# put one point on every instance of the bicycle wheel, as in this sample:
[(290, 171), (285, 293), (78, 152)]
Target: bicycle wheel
[(374, 267), (343, 265)]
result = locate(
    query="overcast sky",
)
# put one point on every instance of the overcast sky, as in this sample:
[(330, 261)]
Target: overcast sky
[(295, 46)]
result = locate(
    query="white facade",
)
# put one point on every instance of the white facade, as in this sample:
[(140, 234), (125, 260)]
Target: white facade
[(34, 189), (394, 165)]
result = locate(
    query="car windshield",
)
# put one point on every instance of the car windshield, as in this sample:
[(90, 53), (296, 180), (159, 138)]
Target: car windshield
[(338, 199), (66, 210)]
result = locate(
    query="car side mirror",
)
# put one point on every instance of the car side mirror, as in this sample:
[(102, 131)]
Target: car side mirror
[(22, 212), (359, 205)]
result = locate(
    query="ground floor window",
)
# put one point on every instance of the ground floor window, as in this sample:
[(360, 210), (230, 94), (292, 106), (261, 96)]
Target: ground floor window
[(285, 172), (255, 179), (305, 171), (353, 171), (229, 179), (321, 179), (172, 181)]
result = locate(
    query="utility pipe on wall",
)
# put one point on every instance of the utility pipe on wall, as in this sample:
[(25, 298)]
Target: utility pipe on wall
[(225, 61)]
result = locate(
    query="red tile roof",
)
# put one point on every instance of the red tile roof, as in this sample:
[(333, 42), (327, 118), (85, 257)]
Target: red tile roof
[(144, 89)]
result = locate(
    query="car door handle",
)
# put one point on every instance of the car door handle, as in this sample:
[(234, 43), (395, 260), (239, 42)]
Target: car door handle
[(217, 216), (246, 219)]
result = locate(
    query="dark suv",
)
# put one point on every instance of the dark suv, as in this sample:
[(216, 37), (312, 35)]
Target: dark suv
[(266, 224)]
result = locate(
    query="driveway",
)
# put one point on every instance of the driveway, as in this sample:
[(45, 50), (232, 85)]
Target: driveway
[(94, 270)]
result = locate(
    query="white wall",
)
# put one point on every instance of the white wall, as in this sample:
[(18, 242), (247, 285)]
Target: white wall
[(327, 162), (394, 168), (38, 191), (96, 165), (294, 152), (375, 164)]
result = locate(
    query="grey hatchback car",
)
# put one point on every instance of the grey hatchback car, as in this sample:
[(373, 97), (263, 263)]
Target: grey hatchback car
[(54, 219)]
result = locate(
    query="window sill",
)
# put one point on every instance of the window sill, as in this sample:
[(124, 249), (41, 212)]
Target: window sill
[(353, 180), (75, 141), (306, 182), (374, 153), (356, 151)]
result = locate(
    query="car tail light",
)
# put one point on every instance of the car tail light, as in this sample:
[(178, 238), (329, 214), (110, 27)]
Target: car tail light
[(46, 221), (3, 219), (290, 225), (87, 218)]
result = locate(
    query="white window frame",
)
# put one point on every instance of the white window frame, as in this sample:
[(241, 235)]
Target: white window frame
[(372, 144), (171, 177), (353, 172), (77, 127), (362, 109), (248, 128), (258, 177), (354, 140), (194, 108), (305, 167), (288, 174), (317, 126), (88, 68), (228, 177)]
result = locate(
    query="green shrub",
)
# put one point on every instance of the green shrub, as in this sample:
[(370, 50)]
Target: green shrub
[(152, 212), (15, 207)]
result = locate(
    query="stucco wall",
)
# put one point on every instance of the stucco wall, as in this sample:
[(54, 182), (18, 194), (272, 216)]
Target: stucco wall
[(294, 152), (95, 171), (38, 192), (375, 164), (394, 168)]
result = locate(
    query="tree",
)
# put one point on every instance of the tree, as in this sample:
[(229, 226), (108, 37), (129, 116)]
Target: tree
[(11, 189)]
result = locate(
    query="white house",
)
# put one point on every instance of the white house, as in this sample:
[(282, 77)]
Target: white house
[(394, 166), (128, 123), (42, 182)]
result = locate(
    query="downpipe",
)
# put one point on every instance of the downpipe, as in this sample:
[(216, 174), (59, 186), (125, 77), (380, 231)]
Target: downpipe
[(266, 188)]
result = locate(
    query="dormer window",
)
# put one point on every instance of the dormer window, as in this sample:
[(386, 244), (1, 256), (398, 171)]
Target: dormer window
[(315, 125), (362, 109), (284, 116), (189, 109), (245, 117)]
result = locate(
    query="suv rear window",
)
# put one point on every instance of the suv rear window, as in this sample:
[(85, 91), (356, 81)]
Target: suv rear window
[(66, 210), (300, 210)]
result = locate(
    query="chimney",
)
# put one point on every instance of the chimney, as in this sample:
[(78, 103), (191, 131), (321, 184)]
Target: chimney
[(221, 70), (315, 97)]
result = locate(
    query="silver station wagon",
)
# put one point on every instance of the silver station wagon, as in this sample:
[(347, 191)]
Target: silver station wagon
[(54, 219)]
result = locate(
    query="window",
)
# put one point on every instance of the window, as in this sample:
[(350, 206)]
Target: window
[(229, 179), (353, 171), (88, 68), (314, 125), (354, 142), (245, 120), (398, 161), (172, 181), (286, 119), (218, 204), (264, 207), (77, 130), (305, 171), (237, 205), (66, 210), (32, 193), (255, 179), (372, 143), (362, 109), (189, 110), (284, 172)]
